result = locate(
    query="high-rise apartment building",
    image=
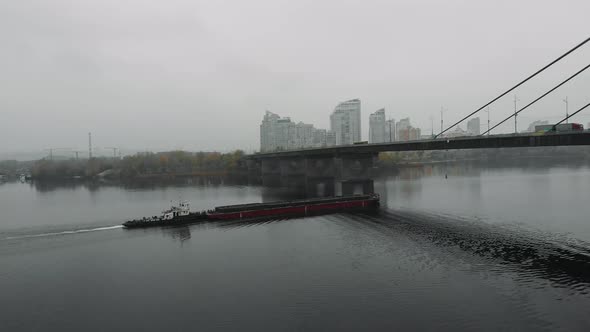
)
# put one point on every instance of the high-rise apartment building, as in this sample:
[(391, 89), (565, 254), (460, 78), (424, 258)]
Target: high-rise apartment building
[(345, 122), (280, 133), (377, 127), (319, 138), (405, 131), (330, 138), (390, 131), (473, 127), (267, 132), (400, 128)]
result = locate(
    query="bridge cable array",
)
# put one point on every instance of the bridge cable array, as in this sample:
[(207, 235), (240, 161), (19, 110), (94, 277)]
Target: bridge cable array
[(534, 101), (569, 116), (516, 86)]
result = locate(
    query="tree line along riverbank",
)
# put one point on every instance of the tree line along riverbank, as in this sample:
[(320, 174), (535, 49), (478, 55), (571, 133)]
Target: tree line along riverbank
[(149, 165)]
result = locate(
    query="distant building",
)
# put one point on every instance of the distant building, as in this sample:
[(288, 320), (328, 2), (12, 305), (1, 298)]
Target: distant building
[(400, 128), (377, 127), (409, 134), (415, 134), (458, 132), (405, 132), (280, 133), (319, 138), (268, 132), (330, 138), (531, 128), (473, 127), (345, 122)]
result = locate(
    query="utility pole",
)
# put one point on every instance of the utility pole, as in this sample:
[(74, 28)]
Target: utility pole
[(89, 146), (114, 151), (431, 126), (566, 109), (442, 110), (77, 152), (515, 126), (52, 149), (488, 121)]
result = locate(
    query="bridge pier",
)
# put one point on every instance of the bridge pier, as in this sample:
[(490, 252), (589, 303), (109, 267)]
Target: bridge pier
[(254, 169), (270, 172), (292, 172), (320, 186), (355, 176), (319, 176)]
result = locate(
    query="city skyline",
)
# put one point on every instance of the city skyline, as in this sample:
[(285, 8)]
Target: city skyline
[(281, 133), (195, 76)]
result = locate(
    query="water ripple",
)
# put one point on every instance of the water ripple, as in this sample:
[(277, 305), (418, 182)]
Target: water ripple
[(564, 262)]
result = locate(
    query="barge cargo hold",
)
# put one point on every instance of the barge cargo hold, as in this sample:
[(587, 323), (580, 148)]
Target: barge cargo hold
[(285, 209), (296, 208)]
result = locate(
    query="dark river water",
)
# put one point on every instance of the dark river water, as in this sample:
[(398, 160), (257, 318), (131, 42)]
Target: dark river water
[(484, 249)]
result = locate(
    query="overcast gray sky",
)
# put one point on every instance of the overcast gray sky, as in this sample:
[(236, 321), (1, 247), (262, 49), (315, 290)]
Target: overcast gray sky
[(198, 75)]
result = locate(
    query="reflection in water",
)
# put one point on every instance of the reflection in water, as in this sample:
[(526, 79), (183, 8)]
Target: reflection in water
[(564, 262), (141, 184), (178, 233), (418, 258)]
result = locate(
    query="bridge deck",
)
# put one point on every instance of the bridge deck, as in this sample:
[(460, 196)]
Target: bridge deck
[(473, 142)]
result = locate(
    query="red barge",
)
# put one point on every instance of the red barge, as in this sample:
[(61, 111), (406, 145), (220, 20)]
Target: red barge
[(180, 215), (299, 208)]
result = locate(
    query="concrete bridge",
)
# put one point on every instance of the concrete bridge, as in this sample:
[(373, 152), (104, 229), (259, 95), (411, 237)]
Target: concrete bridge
[(346, 170), (469, 142)]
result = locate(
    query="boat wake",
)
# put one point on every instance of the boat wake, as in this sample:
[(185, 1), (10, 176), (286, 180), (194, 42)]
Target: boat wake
[(77, 231)]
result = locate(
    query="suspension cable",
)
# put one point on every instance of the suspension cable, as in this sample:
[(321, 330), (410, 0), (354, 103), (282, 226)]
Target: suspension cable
[(516, 86), (569, 116), (534, 101)]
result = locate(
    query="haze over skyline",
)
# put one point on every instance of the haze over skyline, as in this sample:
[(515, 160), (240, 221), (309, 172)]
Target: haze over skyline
[(199, 75)]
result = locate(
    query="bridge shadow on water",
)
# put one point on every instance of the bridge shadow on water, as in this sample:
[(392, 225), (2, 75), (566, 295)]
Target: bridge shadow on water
[(563, 262)]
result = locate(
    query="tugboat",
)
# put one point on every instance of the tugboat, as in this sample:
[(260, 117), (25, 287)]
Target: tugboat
[(175, 215), (181, 215)]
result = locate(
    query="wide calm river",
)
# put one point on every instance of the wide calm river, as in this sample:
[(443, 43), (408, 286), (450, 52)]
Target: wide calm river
[(484, 249)]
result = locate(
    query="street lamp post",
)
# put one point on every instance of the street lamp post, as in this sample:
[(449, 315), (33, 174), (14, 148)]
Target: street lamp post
[(488, 111), (515, 126), (432, 126), (442, 110), (566, 109)]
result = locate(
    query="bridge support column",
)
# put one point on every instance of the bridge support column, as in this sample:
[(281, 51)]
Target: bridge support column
[(355, 174), (320, 176), (293, 173), (254, 168), (270, 172)]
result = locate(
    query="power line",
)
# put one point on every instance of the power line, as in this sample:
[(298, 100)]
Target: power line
[(517, 85)]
